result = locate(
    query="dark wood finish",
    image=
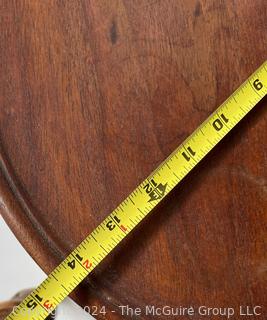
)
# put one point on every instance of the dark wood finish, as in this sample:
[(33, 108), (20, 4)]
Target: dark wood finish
[(94, 95)]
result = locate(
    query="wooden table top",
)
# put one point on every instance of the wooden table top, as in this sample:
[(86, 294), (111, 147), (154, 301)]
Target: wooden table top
[(94, 95)]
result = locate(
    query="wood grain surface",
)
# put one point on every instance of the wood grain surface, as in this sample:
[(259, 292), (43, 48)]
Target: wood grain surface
[(94, 95)]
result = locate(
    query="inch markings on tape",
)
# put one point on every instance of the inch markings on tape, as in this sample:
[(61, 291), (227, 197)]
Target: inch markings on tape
[(66, 277)]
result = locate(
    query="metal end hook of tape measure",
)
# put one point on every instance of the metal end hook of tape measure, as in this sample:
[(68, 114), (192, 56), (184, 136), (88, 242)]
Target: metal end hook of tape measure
[(66, 277)]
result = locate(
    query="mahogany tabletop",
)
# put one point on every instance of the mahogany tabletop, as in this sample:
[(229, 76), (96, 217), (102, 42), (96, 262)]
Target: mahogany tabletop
[(94, 95)]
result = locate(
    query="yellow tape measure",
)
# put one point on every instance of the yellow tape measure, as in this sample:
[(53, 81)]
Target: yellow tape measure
[(66, 277)]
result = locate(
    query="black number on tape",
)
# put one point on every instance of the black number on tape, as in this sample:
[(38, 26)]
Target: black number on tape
[(218, 123), (190, 153), (111, 225), (32, 304), (257, 85), (71, 264)]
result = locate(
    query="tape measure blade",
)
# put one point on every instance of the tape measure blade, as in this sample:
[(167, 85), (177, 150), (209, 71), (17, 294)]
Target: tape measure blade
[(142, 200)]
